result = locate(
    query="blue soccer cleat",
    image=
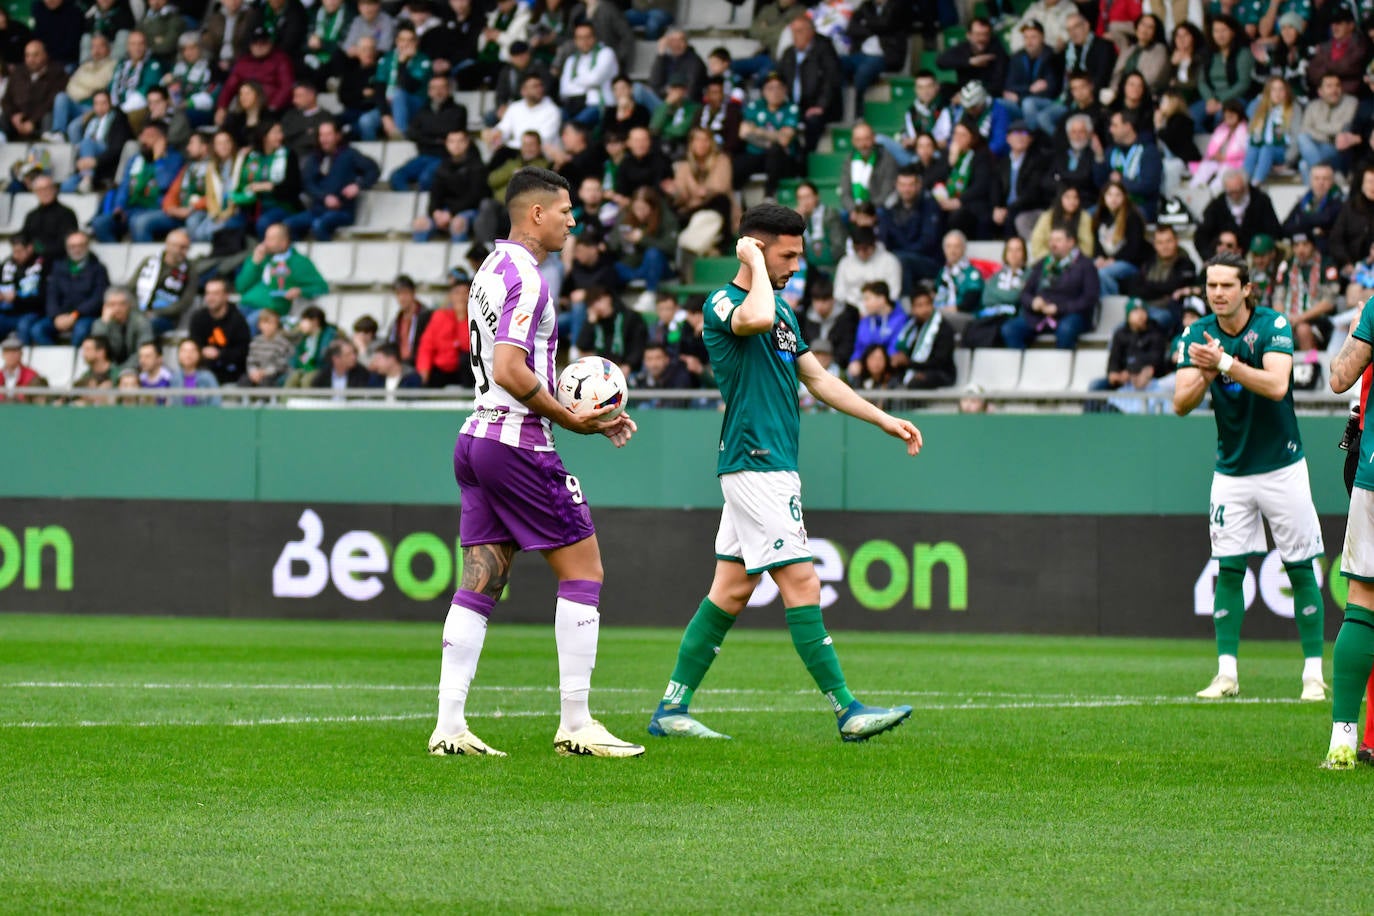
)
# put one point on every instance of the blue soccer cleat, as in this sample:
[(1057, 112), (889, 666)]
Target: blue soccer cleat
[(859, 722)]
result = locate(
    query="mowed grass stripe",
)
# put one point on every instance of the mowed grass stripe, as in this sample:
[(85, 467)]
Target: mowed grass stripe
[(1036, 803)]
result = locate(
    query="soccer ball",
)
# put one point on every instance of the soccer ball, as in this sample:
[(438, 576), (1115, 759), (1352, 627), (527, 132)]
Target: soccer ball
[(592, 382)]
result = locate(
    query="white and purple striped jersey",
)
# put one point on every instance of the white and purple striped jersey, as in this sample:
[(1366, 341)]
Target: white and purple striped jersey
[(509, 304)]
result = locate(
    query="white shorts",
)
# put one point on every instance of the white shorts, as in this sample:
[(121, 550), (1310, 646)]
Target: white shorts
[(761, 525), (1357, 559), (1283, 498)]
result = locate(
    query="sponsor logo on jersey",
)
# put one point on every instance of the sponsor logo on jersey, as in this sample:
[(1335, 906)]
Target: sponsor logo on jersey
[(1281, 341), (1280, 322), (1252, 339), (785, 340), (720, 304)]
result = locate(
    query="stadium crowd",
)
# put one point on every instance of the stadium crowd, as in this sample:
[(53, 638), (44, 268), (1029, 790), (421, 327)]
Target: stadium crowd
[(1099, 145)]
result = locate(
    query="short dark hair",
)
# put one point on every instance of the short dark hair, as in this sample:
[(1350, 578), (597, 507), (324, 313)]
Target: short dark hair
[(772, 220), (654, 345), (403, 281), (365, 324), (597, 293), (336, 347), (404, 27), (222, 281), (533, 179), (314, 313), (1080, 75), (102, 343), (911, 171), (389, 349), (822, 288), (863, 235), (21, 238), (922, 289), (1165, 227), (1229, 259), (878, 288), (157, 90), (722, 52)]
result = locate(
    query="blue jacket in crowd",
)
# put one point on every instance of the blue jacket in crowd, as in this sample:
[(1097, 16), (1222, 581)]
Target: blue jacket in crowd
[(917, 230), (876, 329), (82, 292), (348, 167)]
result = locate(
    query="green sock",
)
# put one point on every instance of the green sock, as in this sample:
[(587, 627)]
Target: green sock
[(1307, 608), (1351, 663), (700, 645), (817, 652), (1228, 604)]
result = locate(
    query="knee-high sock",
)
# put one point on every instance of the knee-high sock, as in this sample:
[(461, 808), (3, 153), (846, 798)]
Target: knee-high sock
[(1228, 604), (700, 645), (817, 652), (576, 627), (1308, 608), (1351, 663), (465, 630)]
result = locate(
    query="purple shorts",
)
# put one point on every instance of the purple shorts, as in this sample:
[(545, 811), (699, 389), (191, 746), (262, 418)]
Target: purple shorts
[(517, 495)]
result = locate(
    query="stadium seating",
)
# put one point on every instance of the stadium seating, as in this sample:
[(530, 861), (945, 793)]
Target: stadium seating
[(426, 262), (352, 306), (375, 263), (56, 364), (1109, 318), (1046, 370), (996, 370), (384, 213), (334, 260), (1088, 366), (395, 153)]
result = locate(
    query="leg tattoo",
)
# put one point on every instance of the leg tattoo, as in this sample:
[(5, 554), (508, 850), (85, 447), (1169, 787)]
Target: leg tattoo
[(486, 568)]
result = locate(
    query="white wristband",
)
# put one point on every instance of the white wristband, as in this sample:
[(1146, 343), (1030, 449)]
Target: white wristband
[(1224, 364)]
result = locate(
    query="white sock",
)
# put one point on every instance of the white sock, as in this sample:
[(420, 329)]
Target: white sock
[(1312, 668), (1226, 664), (464, 632), (575, 627), (1344, 734)]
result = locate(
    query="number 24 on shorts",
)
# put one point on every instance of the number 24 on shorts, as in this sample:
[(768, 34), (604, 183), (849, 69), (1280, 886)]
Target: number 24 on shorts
[(1217, 514)]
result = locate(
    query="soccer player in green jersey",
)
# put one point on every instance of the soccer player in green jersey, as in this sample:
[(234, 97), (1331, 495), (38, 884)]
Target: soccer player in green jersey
[(1354, 655), (1243, 356), (759, 357)]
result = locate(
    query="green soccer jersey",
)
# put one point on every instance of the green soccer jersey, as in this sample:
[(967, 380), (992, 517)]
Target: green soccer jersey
[(757, 375), (1254, 434), (1364, 475), (787, 115)]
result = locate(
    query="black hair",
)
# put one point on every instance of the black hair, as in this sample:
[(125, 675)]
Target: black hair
[(222, 281), (772, 219), (365, 324), (597, 293), (404, 27), (102, 343), (980, 20), (157, 90), (715, 81), (878, 288), (389, 349), (911, 171), (809, 185), (925, 74), (722, 52), (922, 288), (863, 235), (654, 345), (403, 281), (532, 178), (822, 288), (315, 314), (1079, 75), (21, 238)]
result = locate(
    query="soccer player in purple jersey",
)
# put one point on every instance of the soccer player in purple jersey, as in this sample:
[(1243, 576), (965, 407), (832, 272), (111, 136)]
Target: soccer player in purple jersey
[(516, 494)]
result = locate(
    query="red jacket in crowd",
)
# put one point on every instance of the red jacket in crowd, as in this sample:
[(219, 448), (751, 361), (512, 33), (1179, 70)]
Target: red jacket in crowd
[(273, 73), (27, 378), (444, 345)]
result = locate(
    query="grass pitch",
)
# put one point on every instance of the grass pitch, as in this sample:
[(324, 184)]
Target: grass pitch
[(177, 766)]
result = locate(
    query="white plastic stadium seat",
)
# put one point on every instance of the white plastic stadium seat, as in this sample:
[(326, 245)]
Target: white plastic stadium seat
[(646, 52), (56, 364), (425, 262), (329, 304), (996, 370), (372, 149), (474, 102), (334, 260), (395, 154), (115, 257), (1284, 198), (712, 14), (19, 207), (1046, 370), (1088, 367), (1110, 317), (962, 357), (83, 205), (384, 213), (353, 306), (985, 251), (376, 263)]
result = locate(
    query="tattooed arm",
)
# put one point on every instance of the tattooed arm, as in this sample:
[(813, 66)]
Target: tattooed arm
[(1349, 364)]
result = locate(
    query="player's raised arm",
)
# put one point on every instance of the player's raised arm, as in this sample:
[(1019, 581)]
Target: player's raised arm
[(1190, 387), (757, 313), (1271, 380), (828, 389)]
